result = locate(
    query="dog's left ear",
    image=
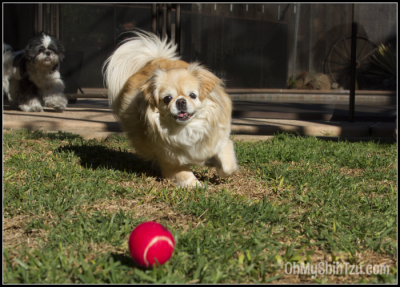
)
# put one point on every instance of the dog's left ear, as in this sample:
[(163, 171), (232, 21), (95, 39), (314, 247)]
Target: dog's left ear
[(151, 87), (208, 81), (149, 90)]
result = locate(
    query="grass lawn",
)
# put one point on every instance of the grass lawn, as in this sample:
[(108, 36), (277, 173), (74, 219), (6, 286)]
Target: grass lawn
[(69, 206)]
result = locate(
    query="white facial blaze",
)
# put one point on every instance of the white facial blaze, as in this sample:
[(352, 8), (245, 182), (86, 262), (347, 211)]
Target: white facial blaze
[(46, 41)]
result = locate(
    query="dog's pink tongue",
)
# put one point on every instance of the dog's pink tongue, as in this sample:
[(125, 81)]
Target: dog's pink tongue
[(182, 115)]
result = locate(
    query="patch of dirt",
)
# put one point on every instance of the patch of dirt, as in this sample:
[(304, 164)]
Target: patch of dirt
[(243, 182), (153, 211), (15, 236), (355, 172)]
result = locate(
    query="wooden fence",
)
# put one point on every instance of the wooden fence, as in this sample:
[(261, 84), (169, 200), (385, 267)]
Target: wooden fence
[(254, 29)]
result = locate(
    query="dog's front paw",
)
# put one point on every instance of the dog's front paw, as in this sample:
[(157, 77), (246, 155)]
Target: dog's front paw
[(181, 176), (226, 159), (33, 108), (190, 184), (58, 102), (59, 109)]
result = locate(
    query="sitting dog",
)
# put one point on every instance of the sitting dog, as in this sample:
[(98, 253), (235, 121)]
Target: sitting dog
[(31, 77), (311, 81)]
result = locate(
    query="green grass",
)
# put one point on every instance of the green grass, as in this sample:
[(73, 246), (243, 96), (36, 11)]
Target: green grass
[(70, 205)]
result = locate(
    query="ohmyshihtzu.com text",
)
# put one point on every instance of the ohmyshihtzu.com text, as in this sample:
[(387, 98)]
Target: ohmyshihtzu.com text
[(335, 268)]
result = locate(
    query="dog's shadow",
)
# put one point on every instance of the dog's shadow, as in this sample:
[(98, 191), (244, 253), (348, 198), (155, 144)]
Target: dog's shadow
[(215, 180), (100, 157)]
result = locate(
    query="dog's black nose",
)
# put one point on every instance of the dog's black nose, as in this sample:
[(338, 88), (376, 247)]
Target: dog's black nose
[(47, 53), (181, 104)]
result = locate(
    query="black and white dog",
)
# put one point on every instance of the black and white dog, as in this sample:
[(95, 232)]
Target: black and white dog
[(31, 77)]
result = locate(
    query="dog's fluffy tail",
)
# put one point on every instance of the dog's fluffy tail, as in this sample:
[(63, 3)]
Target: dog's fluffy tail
[(131, 56)]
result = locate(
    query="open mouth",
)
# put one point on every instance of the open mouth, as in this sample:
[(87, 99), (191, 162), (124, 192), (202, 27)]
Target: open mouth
[(47, 59), (183, 116)]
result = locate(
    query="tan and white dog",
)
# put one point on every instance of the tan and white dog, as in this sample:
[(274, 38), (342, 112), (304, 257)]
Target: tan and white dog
[(173, 112)]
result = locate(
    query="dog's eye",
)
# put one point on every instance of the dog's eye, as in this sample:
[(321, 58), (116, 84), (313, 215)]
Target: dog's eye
[(167, 99), (192, 95)]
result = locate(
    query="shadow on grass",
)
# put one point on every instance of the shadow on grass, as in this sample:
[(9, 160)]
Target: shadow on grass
[(96, 156), (38, 134), (216, 180), (100, 157), (126, 260)]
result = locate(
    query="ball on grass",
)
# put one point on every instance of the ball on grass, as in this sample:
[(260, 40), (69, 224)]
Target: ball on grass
[(150, 241)]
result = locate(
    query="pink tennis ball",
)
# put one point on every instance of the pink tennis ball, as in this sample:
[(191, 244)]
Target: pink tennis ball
[(150, 240)]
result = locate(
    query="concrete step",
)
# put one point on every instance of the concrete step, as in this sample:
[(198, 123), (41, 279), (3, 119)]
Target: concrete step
[(93, 118)]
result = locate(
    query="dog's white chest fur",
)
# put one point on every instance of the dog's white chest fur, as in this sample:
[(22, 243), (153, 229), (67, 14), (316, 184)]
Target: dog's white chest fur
[(188, 144)]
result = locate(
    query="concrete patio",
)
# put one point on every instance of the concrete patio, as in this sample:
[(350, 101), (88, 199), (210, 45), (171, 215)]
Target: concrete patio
[(92, 118)]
